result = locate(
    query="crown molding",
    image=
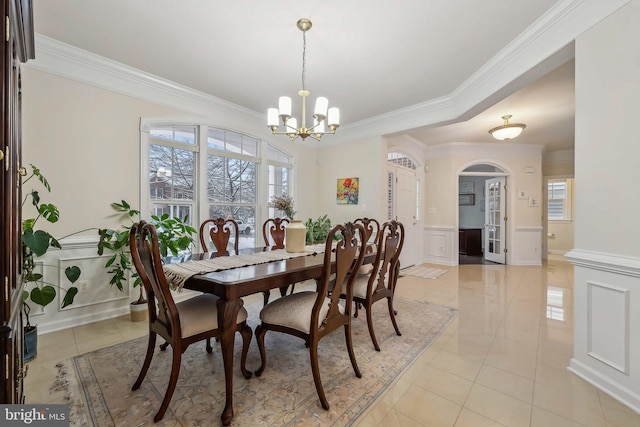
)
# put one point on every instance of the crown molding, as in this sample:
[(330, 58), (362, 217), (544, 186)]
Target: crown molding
[(546, 37), (64, 60)]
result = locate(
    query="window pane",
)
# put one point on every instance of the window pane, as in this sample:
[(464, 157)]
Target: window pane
[(215, 139), (557, 194), (278, 185), (171, 173), (177, 133), (184, 212), (232, 142), (230, 180), (274, 154)]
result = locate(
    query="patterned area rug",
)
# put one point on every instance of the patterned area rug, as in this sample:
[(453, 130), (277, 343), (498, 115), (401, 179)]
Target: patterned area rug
[(421, 271), (99, 383)]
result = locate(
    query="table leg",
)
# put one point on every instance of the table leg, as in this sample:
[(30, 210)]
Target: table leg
[(227, 315)]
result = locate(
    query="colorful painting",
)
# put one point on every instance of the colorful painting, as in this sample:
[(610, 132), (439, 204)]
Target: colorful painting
[(347, 193)]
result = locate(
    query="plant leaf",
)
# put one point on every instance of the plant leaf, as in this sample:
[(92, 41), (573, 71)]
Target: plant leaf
[(68, 297), (43, 296), (37, 241), (49, 212), (72, 273)]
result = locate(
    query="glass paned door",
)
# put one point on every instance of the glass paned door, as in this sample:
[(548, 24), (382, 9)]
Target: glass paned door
[(494, 220)]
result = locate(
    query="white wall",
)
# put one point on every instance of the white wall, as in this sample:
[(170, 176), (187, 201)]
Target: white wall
[(446, 161), (86, 141), (607, 254), (366, 160)]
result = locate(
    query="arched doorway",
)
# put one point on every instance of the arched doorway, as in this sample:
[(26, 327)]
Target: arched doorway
[(482, 216)]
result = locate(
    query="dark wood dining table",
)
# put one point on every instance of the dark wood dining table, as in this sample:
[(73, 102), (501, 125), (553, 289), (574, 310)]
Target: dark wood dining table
[(233, 284)]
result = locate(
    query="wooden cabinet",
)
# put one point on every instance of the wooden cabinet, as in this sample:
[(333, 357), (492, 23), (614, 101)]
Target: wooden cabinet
[(17, 31), (470, 241)]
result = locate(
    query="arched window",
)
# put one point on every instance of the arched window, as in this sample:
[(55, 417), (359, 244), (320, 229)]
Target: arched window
[(401, 160)]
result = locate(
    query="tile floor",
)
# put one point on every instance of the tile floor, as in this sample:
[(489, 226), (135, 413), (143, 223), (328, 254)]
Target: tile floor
[(502, 362)]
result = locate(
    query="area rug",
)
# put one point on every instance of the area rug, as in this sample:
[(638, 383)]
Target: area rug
[(99, 383), (421, 271)]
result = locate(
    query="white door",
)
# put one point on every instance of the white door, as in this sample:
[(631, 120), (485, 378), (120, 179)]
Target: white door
[(495, 220), (405, 210)]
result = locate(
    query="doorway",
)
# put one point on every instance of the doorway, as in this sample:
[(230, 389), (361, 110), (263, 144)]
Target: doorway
[(404, 194), (481, 215)]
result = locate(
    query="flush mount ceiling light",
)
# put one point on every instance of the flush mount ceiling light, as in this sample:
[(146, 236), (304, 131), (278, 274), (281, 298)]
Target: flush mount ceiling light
[(320, 115), (508, 130)]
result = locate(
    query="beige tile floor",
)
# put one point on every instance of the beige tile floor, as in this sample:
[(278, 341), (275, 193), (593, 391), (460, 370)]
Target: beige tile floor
[(502, 362)]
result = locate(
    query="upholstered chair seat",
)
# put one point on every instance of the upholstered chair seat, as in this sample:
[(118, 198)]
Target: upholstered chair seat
[(200, 314), (294, 311)]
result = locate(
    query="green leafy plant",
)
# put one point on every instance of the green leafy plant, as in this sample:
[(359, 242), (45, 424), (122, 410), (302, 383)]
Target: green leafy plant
[(36, 243), (283, 203), (317, 230), (174, 236)]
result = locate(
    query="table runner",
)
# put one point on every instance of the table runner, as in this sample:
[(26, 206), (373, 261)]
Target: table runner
[(177, 274)]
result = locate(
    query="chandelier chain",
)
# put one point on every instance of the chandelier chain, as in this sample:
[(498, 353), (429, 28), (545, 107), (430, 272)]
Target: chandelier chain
[(304, 60)]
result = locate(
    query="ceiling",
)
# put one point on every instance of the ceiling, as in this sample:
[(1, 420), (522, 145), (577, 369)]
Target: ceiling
[(371, 58)]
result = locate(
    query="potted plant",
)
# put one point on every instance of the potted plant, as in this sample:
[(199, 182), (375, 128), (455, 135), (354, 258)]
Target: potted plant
[(174, 237), (295, 230), (318, 230), (36, 243)]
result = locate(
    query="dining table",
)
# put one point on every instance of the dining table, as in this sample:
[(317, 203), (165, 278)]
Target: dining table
[(231, 284)]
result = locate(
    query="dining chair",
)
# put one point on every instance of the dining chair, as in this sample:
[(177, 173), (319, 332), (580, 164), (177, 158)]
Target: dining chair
[(312, 315), (380, 283), (274, 232), (215, 233), (180, 324), (371, 230)]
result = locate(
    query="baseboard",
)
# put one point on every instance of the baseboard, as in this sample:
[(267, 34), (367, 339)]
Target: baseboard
[(617, 391)]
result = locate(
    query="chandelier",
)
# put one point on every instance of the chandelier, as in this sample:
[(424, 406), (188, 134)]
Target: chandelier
[(321, 115), (508, 130)]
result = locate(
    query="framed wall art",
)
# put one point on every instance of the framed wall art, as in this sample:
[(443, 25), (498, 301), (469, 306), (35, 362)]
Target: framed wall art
[(347, 191)]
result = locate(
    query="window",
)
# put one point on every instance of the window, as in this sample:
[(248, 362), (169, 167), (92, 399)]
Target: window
[(559, 199), (280, 166), (232, 165), (228, 188), (401, 159), (172, 168)]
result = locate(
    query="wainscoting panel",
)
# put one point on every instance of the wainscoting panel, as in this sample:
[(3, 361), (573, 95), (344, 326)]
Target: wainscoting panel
[(525, 246), (93, 284), (608, 325), (606, 349), (440, 246)]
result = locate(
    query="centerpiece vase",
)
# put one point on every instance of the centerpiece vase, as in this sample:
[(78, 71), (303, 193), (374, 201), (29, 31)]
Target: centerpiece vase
[(295, 236)]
